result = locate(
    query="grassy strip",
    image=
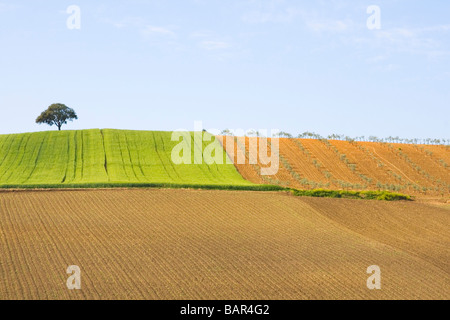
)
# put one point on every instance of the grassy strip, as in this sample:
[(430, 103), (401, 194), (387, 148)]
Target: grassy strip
[(318, 193), (260, 187), (366, 195)]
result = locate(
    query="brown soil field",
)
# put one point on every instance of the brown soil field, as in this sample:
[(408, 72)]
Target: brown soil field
[(418, 170), (365, 163), (399, 165), (411, 227), (429, 162), (247, 170), (331, 160), (192, 244), (251, 169), (301, 162), (439, 152)]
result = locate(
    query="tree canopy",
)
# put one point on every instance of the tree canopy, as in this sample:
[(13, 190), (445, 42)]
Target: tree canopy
[(57, 114)]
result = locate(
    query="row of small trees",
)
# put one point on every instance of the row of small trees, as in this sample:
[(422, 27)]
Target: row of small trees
[(312, 135)]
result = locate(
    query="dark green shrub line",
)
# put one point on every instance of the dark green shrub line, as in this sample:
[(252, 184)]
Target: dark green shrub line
[(257, 187), (322, 193), (366, 195)]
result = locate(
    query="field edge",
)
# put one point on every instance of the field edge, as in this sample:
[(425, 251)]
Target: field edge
[(316, 193)]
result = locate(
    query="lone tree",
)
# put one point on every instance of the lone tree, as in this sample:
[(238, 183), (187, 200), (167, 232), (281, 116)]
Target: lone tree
[(57, 114)]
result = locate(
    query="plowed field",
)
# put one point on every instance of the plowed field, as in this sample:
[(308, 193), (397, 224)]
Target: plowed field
[(187, 244), (420, 170)]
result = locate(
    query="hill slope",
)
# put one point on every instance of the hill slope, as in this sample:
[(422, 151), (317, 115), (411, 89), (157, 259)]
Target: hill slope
[(331, 164), (114, 157), (102, 156)]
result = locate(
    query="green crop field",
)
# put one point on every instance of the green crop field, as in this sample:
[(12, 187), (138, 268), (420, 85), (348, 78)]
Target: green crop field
[(103, 158)]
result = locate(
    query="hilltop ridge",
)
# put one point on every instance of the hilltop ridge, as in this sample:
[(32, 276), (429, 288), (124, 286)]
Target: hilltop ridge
[(110, 157)]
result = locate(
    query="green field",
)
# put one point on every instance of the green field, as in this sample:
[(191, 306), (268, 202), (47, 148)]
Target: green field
[(104, 158)]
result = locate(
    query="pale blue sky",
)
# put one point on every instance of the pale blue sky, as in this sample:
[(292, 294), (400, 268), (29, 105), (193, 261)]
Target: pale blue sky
[(265, 64)]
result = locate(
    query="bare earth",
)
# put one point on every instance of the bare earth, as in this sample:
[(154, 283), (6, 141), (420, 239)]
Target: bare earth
[(419, 170), (188, 244)]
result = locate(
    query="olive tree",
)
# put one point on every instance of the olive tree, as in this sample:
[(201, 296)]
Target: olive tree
[(57, 114)]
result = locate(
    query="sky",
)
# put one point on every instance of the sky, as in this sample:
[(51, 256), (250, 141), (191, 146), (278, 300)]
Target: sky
[(289, 65)]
